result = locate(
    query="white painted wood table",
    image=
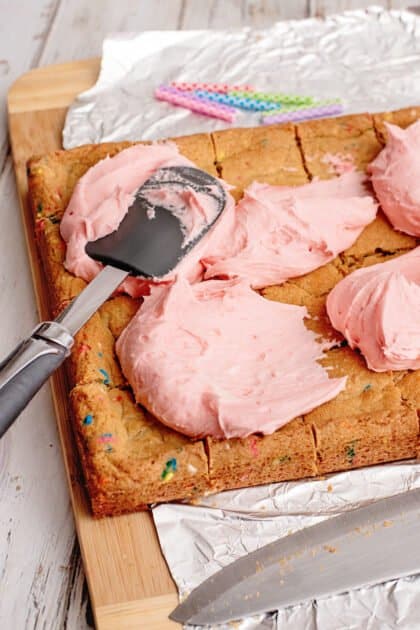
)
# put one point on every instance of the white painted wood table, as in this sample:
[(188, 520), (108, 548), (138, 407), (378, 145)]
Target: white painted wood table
[(41, 577)]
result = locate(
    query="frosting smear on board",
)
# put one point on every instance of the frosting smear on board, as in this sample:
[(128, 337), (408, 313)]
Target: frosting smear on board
[(377, 309), (103, 195), (216, 358), (282, 232), (395, 178)]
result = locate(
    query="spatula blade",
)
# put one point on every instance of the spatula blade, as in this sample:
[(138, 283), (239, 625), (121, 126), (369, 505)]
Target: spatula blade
[(150, 240)]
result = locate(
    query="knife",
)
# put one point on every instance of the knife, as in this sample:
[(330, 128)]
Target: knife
[(150, 242), (365, 546)]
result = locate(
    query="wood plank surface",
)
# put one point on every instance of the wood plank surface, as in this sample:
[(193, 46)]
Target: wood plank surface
[(41, 577), (127, 575)]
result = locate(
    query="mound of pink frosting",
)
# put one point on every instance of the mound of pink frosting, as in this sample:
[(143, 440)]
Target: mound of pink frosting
[(377, 309), (101, 200), (274, 233), (282, 232), (216, 358), (395, 178)]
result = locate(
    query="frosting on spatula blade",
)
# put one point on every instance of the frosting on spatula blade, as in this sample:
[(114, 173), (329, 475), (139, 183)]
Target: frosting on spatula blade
[(170, 212)]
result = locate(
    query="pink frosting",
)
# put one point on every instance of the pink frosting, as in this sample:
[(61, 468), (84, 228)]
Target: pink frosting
[(103, 195), (281, 232), (395, 178), (195, 210), (215, 358), (377, 309)]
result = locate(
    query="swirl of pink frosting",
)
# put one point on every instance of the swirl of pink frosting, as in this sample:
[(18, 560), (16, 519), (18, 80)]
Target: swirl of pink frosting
[(101, 200), (377, 309), (215, 358), (282, 232), (395, 178)]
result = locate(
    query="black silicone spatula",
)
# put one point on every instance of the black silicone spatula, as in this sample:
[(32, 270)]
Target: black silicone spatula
[(149, 242)]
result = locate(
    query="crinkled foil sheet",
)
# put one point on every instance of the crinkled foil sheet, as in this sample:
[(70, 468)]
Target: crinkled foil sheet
[(371, 59), (198, 540)]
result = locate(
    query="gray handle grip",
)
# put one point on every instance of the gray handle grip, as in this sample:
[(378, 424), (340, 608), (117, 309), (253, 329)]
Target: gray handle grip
[(26, 369)]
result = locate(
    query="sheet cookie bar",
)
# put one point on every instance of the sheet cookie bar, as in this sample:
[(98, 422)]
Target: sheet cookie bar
[(409, 386), (266, 154), (62, 286), (329, 147), (130, 460), (367, 423), (124, 451), (402, 117), (289, 453), (93, 358), (371, 420), (51, 181), (52, 177)]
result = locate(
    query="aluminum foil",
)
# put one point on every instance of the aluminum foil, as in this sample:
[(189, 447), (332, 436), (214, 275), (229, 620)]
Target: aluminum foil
[(227, 526), (371, 59)]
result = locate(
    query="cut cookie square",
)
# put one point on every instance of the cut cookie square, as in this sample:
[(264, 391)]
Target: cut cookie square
[(365, 424), (268, 155), (349, 140), (331, 145), (402, 117), (93, 358), (52, 178), (62, 285), (289, 453), (129, 459)]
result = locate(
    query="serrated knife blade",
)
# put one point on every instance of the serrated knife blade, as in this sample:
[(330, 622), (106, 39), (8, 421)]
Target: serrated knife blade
[(365, 546)]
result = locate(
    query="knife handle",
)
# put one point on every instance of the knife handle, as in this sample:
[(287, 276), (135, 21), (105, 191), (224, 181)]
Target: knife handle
[(28, 366)]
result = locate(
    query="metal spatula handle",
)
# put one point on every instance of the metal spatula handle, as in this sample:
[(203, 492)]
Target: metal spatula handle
[(27, 368)]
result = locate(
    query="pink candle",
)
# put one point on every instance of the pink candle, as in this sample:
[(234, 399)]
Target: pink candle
[(193, 103), (222, 88)]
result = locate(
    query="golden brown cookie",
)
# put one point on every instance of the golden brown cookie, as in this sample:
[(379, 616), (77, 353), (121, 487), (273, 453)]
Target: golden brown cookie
[(62, 286), (367, 423), (402, 117), (330, 144), (129, 458), (287, 454), (268, 155)]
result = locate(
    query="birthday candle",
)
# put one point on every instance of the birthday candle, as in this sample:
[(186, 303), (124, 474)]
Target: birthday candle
[(287, 99), (307, 113), (294, 108), (243, 102), (195, 104), (221, 88)]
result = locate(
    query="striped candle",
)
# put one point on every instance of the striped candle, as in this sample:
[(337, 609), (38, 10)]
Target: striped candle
[(243, 102), (307, 113), (294, 108), (278, 98), (195, 104), (221, 88)]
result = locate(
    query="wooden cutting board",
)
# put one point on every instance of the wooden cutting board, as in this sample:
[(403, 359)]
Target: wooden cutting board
[(129, 582)]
